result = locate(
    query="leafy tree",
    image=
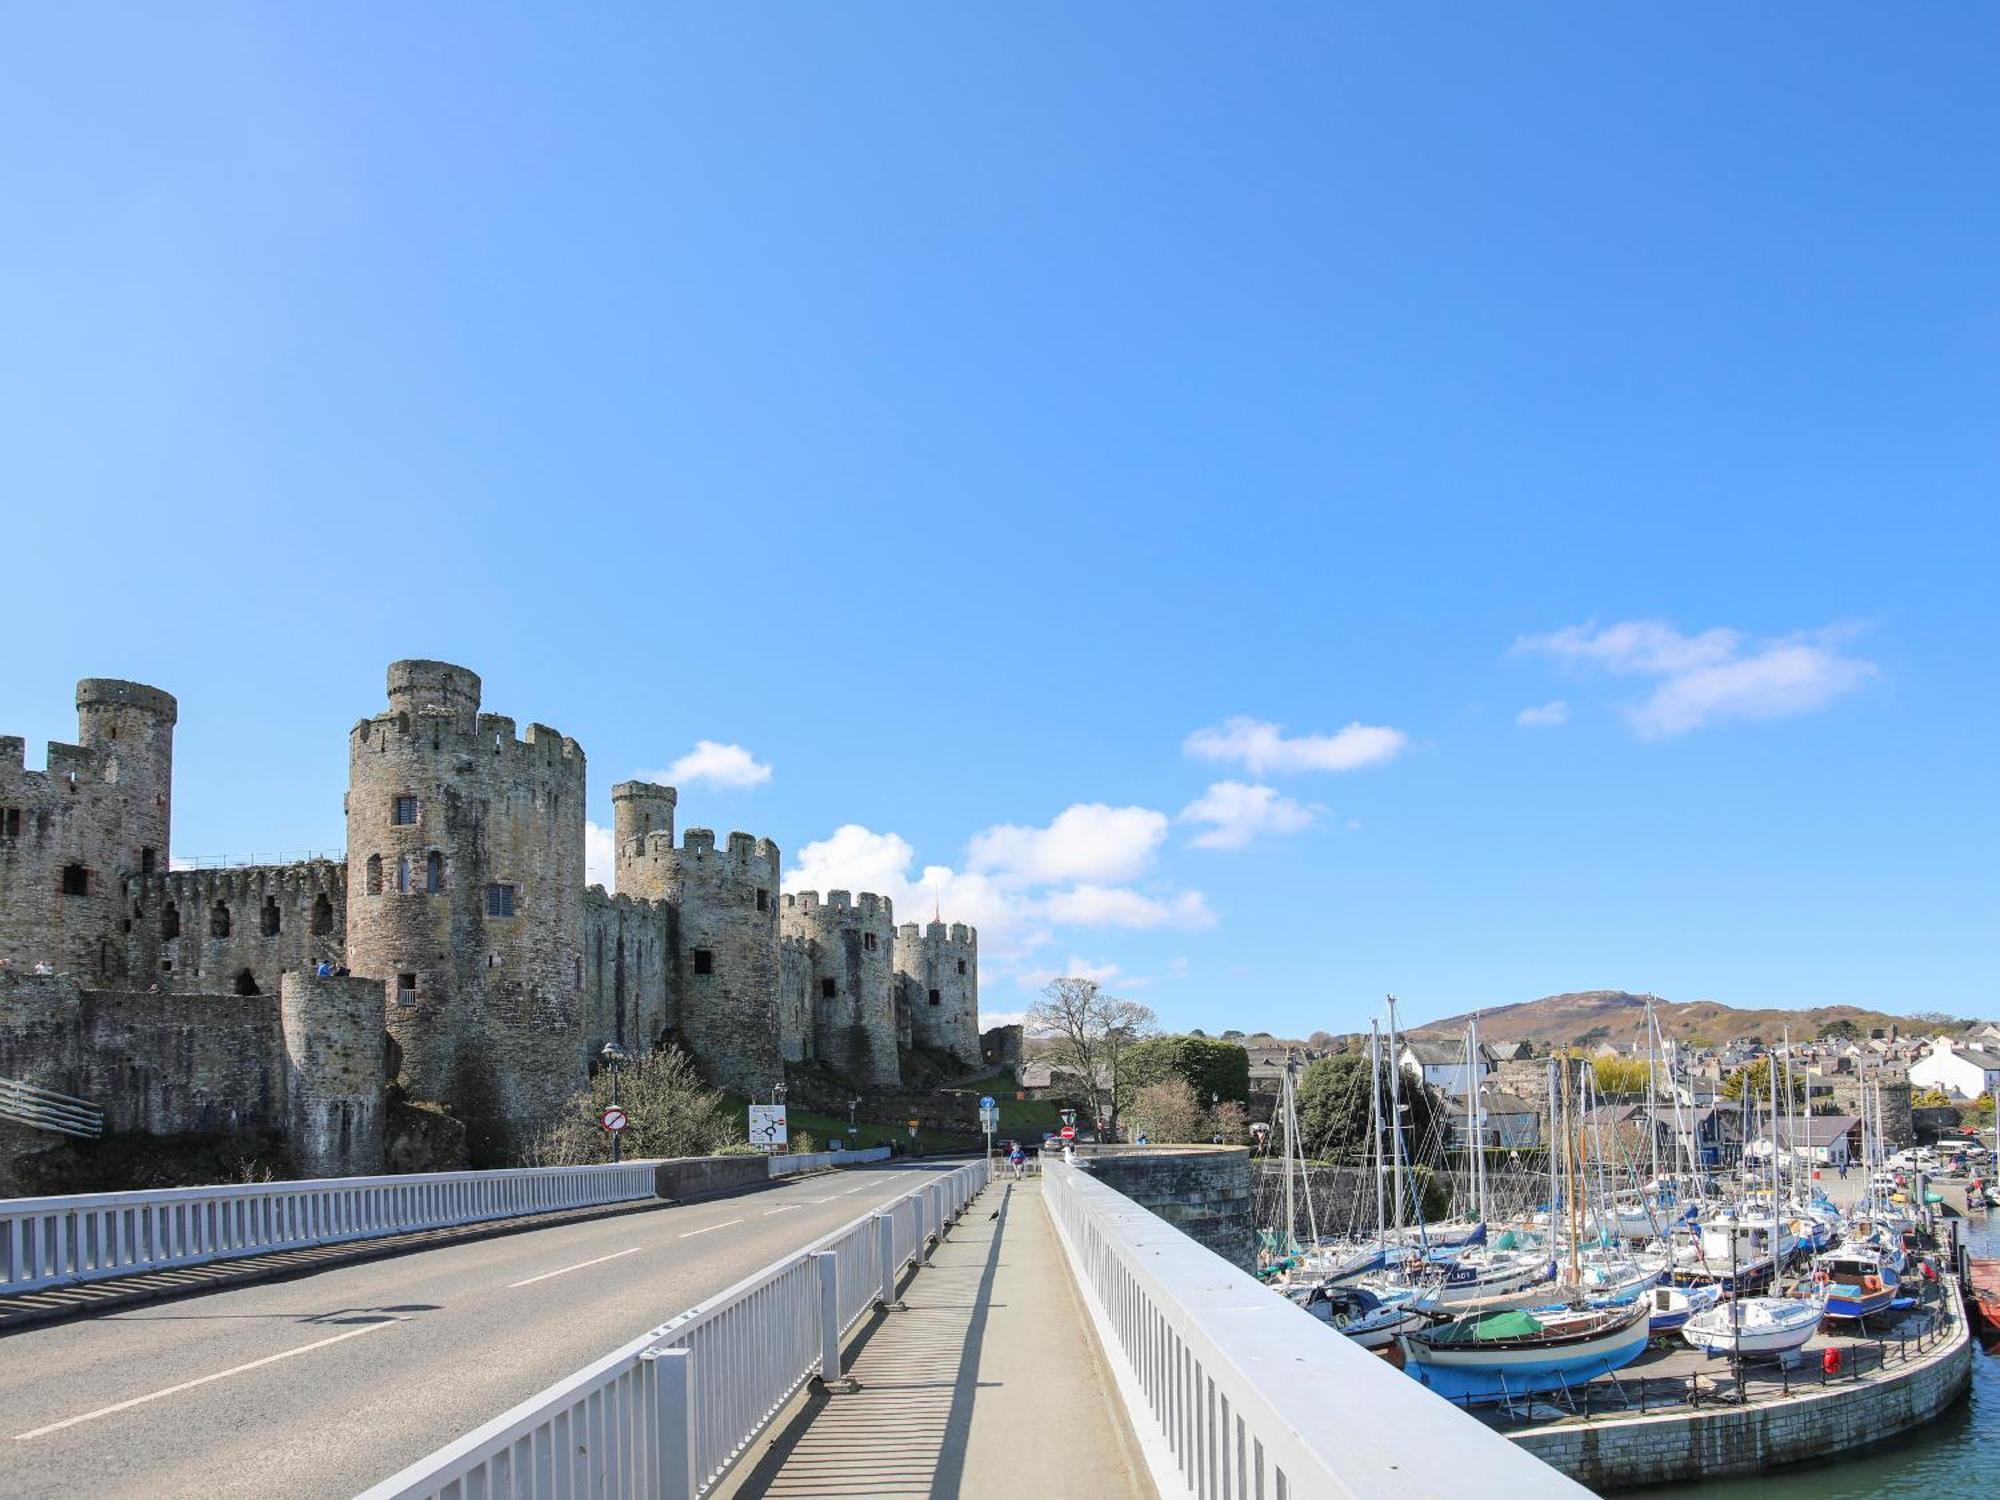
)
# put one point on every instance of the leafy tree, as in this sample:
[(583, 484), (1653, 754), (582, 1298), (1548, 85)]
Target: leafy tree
[(1931, 1098), (1232, 1036), (1212, 1069), (672, 1113), (1619, 1075), (1840, 1029), (1757, 1078), (1091, 1036), (1334, 1105), (1593, 1036)]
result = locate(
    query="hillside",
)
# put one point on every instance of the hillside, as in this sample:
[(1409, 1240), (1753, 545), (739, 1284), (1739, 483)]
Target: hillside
[(1574, 1016)]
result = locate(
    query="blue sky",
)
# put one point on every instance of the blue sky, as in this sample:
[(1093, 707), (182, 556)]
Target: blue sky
[(992, 421)]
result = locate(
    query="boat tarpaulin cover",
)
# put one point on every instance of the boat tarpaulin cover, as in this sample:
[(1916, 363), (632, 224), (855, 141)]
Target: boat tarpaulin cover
[(1513, 1324)]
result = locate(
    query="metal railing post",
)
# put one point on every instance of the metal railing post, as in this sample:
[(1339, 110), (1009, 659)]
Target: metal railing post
[(669, 1390), (885, 1255), (826, 1263)]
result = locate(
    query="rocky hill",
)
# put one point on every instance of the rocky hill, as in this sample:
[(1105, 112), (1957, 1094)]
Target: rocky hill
[(1617, 1015)]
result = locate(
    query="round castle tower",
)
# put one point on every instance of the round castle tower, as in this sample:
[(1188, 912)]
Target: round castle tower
[(721, 956), (131, 728), (465, 899), (939, 970), (851, 941), (334, 1062)]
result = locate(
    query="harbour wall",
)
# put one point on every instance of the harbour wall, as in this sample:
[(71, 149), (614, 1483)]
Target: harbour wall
[(1808, 1426), (1203, 1191)]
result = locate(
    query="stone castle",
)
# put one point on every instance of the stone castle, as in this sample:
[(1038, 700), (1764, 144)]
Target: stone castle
[(461, 911)]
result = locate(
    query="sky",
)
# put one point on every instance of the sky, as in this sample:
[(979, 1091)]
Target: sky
[(1265, 507)]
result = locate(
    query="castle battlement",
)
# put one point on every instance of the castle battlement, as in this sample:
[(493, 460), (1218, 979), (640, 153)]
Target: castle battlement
[(541, 748), (840, 907), (598, 899)]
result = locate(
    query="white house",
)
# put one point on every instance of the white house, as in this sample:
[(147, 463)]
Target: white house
[(1959, 1068), (1442, 1064)]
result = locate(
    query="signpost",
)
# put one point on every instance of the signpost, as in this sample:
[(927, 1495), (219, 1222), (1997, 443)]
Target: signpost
[(613, 1119), (1069, 1132), (989, 1121), (767, 1127)]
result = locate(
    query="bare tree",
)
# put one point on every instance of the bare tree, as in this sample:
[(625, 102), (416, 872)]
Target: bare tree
[(1089, 1036)]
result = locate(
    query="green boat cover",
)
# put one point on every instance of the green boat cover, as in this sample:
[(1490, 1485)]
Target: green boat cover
[(1513, 1324)]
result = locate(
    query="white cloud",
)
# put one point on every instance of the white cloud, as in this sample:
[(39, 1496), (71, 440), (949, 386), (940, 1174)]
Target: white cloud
[(1121, 906), (599, 856), (716, 763), (1717, 675), (1236, 813), (1108, 975), (1263, 747), (1544, 716), (1086, 842), (855, 858), (988, 1019)]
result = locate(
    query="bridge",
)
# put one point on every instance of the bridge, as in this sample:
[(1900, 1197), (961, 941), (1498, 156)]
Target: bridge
[(883, 1329)]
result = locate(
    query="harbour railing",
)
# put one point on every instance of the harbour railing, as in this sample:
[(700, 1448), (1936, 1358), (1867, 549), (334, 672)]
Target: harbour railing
[(45, 1109), (669, 1413), (94, 1236), (1235, 1392)]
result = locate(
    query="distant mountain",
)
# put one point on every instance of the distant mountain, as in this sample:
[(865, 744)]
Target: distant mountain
[(1616, 1016)]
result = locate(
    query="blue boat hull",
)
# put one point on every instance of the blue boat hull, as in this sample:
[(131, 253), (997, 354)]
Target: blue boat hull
[(1852, 1302), (1457, 1383)]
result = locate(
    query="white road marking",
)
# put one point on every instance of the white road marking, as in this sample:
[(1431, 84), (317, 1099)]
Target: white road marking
[(783, 1208), (723, 1225), (577, 1267), (188, 1385), (855, 1189)]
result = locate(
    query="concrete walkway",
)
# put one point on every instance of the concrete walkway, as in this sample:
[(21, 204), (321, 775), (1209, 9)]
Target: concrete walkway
[(987, 1383)]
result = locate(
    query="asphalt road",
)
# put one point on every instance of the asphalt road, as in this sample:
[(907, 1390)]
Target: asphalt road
[(323, 1385)]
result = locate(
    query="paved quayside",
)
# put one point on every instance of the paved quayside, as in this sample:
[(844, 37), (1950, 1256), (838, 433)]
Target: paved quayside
[(318, 1387)]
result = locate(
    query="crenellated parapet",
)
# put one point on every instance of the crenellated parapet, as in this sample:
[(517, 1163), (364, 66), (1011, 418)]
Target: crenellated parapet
[(235, 930), (850, 945)]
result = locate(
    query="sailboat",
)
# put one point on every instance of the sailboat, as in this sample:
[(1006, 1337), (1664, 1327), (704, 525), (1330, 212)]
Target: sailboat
[(1495, 1356)]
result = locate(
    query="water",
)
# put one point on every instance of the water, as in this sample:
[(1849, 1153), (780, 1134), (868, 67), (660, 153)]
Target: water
[(1955, 1455)]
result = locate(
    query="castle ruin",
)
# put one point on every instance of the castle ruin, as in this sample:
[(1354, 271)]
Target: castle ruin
[(478, 955)]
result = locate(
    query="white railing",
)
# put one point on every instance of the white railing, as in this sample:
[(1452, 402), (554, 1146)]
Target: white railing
[(45, 1109), (812, 1161), (1235, 1392), (93, 1236), (669, 1413)]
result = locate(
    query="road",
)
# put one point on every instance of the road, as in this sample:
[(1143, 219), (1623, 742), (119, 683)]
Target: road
[(323, 1385)]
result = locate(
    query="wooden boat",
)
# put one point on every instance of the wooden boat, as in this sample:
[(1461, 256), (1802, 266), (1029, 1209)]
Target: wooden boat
[(1984, 1276), (1497, 1356), (1857, 1282)]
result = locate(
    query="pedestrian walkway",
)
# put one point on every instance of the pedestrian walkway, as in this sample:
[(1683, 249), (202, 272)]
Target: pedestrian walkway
[(986, 1383)]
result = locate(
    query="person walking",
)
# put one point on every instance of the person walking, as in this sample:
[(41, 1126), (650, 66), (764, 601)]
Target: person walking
[(1015, 1157)]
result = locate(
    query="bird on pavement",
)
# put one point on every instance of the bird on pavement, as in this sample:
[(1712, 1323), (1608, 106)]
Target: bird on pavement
[(992, 1216)]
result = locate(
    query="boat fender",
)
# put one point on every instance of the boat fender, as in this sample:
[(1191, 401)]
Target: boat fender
[(1871, 1283), (1822, 1276), (1829, 1361)]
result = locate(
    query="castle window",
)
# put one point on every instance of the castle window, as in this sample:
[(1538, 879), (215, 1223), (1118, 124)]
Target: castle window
[(146, 860), (868, 941), (704, 961), (499, 901), (827, 989), (936, 999), (269, 918), (434, 872), (246, 984), (405, 811), (75, 880), (961, 966), (406, 989), (403, 873), (322, 915), (374, 874), (170, 921), (10, 822), (218, 920), (763, 901)]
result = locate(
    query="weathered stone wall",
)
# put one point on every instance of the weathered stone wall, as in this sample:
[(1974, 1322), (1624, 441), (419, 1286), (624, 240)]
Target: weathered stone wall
[(795, 998), (852, 947), (99, 809), (1003, 1047), (159, 1063), (721, 951), (625, 951), (236, 930), (486, 1005), (938, 967), (1813, 1424), (1898, 1124), (1203, 1191), (335, 1056)]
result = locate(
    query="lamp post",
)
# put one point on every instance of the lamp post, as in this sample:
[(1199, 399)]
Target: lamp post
[(615, 1057), (852, 1128)]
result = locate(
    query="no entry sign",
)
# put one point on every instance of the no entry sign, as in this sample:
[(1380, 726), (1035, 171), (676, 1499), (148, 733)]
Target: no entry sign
[(613, 1120), (1069, 1132)]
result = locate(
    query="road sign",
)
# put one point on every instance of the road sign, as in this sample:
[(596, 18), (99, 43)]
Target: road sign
[(1069, 1132), (767, 1127), (985, 1101), (613, 1120)]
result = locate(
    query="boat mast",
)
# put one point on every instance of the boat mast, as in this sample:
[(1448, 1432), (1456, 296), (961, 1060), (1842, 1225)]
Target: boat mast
[(1652, 1097), (1555, 1149), (1375, 1121), (1291, 1118), (1396, 1118), (1471, 1127)]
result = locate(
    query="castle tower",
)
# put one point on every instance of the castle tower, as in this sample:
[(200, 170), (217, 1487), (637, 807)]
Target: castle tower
[(334, 1063), (722, 943), (70, 834), (639, 809), (465, 899), (853, 984), (938, 968)]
